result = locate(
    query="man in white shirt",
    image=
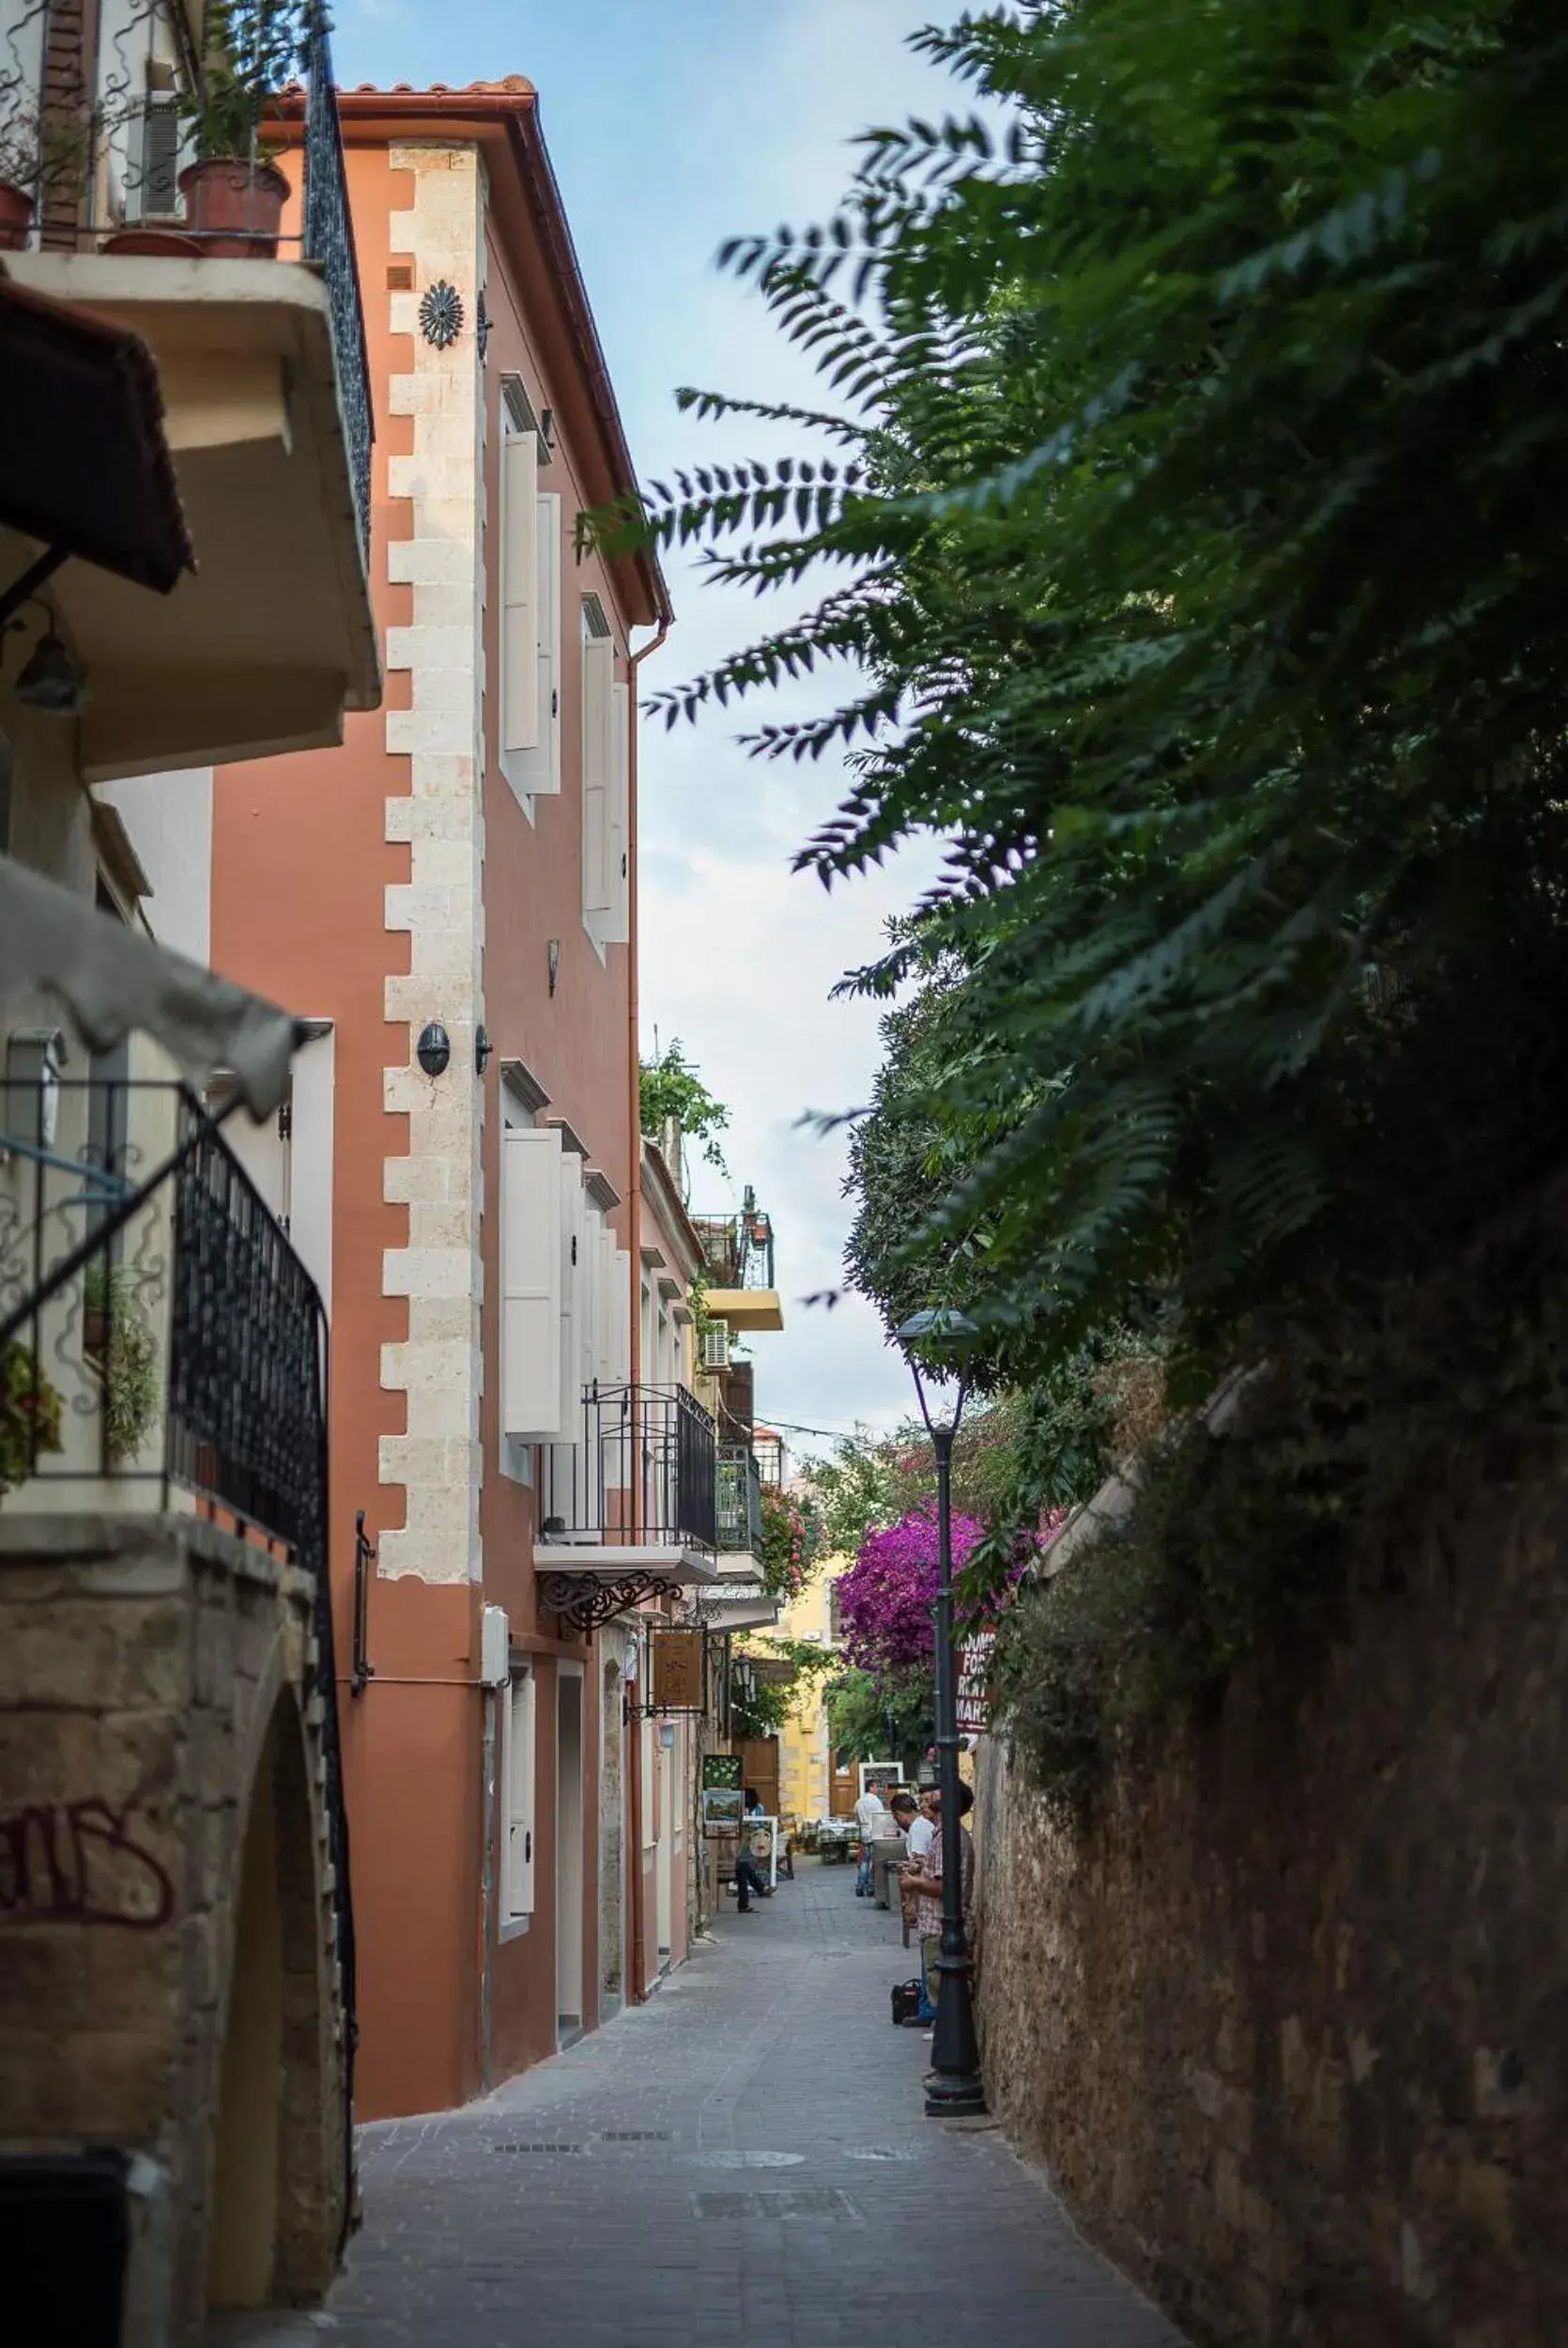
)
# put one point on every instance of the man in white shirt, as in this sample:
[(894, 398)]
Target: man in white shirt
[(922, 1830), (871, 1818)]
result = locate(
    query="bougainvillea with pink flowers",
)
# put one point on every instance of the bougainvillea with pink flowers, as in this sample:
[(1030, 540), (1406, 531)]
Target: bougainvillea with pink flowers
[(885, 1600)]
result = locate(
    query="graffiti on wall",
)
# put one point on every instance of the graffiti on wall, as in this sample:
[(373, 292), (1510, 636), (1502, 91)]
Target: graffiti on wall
[(81, 1862)]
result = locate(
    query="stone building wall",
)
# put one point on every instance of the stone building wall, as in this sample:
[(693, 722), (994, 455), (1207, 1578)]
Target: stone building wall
[(150, 1669), (1290, 2027)]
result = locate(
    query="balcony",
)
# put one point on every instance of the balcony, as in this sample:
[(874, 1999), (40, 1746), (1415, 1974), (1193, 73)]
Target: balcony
[(161, 1346), (738, 1252), (629, 1507), (266, 387)]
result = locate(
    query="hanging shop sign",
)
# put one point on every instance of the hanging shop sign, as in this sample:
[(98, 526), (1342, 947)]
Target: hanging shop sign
[(676, 1670), (974, 1707)]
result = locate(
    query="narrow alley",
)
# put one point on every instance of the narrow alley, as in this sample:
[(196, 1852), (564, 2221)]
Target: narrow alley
[(741, 2163)]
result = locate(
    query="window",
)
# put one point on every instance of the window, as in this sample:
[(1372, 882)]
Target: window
[(518, 1772)]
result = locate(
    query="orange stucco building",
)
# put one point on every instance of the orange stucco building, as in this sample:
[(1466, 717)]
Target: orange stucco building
[(466, 862)]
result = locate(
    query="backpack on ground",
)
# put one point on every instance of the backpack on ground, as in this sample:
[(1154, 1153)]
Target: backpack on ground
[(906, 2001)]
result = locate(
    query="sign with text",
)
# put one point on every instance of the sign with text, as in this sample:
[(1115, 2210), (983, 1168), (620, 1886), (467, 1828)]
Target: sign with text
[(974, 1683), (677, 1672)]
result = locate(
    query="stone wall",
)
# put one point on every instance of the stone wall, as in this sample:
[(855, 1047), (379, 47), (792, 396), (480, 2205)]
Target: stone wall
[(150, 1668), (1290, 2027)]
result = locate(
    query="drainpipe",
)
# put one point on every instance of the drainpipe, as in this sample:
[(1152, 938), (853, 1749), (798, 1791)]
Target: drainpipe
[(635, 1985)]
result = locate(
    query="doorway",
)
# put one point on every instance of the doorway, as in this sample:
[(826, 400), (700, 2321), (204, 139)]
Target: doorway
[(664, 1865), (569, 1849), (612, 1852)]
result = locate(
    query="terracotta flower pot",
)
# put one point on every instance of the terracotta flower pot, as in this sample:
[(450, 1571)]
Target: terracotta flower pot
[(167, 242), (236, 207), (16, 217)]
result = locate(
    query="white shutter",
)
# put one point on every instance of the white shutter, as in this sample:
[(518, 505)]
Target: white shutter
[(152, 179), (608, 1373), (538, 770), (531, 1399), (521, 1716), (621, 1323), (520, 613), (573, 1293), (598, 768), (589, 1288), (616, 928)]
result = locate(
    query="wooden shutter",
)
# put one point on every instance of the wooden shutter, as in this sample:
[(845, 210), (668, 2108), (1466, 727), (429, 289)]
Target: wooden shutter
[(532, 1401), (521, 1777), (598, 768), (616, 928), (519, 592)]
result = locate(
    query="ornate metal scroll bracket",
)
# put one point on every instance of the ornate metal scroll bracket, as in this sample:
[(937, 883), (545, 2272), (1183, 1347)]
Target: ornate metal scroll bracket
[(586, 1601)]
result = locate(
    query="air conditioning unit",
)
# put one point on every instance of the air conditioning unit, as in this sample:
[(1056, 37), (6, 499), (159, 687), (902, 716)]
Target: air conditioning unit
[(715, 1344)]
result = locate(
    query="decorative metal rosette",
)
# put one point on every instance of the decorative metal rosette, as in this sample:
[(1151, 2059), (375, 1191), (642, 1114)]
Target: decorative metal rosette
[(441, 314)]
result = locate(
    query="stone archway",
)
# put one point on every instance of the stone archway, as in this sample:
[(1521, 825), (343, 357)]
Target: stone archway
[(278, 2176)]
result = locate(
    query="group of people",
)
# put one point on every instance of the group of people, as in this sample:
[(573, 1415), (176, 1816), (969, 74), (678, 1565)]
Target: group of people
[(918, 1819)]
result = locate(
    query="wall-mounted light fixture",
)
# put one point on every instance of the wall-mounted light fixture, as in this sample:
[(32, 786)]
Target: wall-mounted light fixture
[(555, 962), (483, 1048), (434, 1049)]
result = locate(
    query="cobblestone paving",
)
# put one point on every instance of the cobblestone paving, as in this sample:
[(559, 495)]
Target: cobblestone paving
[(743, 2162)]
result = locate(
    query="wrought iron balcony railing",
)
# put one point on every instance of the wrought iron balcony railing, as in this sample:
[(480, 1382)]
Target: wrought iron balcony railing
[(740, 1501), (640, 1472), (163, 1347), (102, 107), (738, 1247)]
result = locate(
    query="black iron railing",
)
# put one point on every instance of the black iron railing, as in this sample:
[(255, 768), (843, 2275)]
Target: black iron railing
[(740, 1501), (642, 1472), (97, 150), (329, 239), (738, 1249), (158, 1336)]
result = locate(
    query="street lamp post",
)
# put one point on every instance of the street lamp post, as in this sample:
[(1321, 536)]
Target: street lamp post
[(955, 2087)]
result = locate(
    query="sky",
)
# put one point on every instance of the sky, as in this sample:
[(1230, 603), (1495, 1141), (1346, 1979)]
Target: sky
[(671, 128)]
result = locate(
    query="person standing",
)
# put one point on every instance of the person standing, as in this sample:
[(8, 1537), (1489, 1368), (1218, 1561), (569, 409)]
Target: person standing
[(927, 1901), (871, 1818)]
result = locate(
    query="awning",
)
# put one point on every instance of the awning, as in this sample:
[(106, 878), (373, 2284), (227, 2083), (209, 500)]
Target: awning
[(111, 979), (85, 465)]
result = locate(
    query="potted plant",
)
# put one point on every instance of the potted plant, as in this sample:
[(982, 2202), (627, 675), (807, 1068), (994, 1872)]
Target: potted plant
[(30, 1414), (124, 1352), (235, 195)]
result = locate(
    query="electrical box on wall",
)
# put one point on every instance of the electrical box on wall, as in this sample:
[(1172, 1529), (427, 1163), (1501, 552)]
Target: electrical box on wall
[(495, 1648)]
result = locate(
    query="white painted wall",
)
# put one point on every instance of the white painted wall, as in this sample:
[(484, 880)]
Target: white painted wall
[(169, 821)]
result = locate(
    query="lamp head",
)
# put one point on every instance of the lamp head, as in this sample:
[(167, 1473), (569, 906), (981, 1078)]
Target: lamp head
[(50, 679)]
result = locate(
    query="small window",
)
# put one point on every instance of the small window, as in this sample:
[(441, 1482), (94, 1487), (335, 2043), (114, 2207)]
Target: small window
[(521, 415)]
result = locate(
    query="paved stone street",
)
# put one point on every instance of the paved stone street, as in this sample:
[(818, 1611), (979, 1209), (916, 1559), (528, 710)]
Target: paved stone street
[(741, 2163)]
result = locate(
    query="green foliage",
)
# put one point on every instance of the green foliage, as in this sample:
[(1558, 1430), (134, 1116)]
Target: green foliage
[(888, 1717), (251, 50), (790, 1542), (670, 1087), (760, 1710), (30, 1415), (1349, 1464), (1189, 533), (128, 1354), (855, 1491)]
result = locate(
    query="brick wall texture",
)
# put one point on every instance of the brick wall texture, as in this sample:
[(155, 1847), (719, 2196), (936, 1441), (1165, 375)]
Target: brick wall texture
[(1290, 2026)]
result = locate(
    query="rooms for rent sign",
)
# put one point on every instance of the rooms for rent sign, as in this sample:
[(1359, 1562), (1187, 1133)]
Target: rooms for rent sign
[(973, 1681)]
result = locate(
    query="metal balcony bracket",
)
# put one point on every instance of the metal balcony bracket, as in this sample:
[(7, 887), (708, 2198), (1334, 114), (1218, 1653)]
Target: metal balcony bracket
[(586, 1601)]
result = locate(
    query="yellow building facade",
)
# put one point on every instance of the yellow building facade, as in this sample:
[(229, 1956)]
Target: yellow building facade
[(804, 1753)]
